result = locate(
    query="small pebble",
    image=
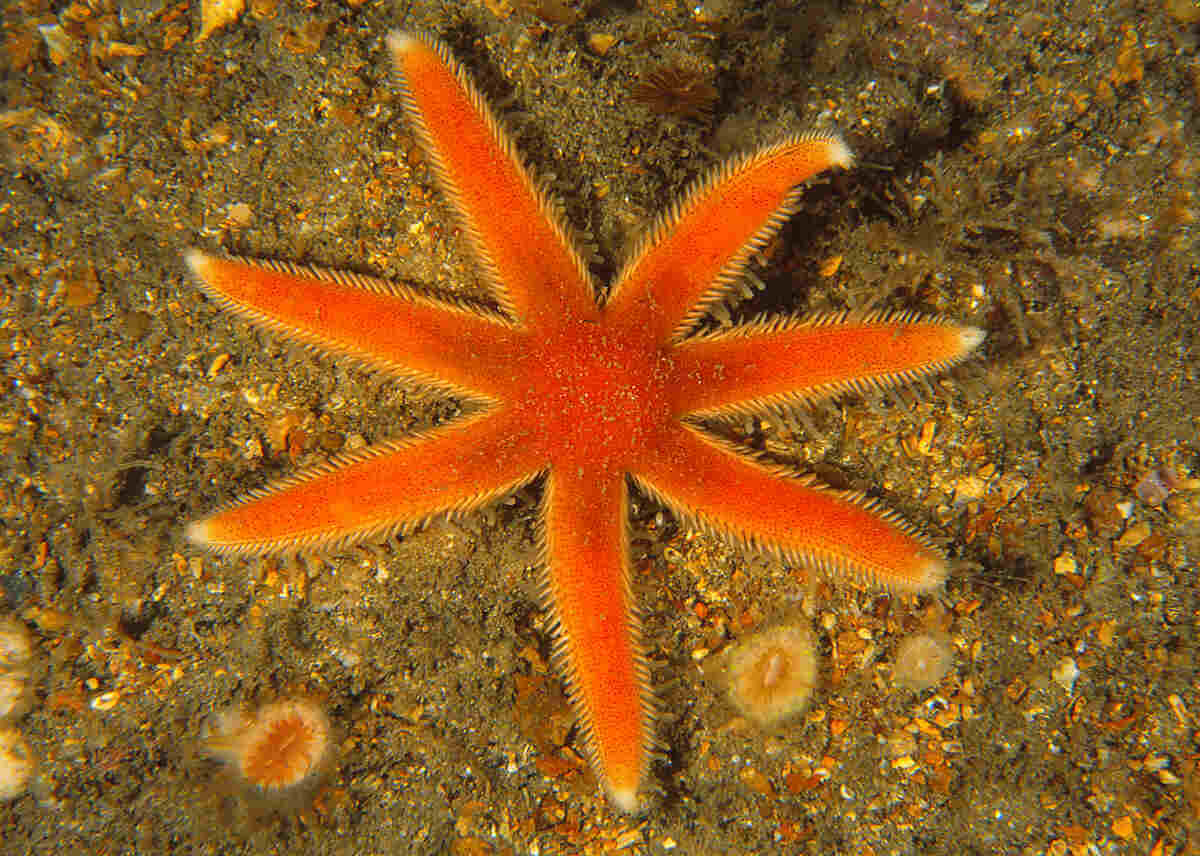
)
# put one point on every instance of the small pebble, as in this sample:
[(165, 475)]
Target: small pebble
[(601, 43), (1065, 674)]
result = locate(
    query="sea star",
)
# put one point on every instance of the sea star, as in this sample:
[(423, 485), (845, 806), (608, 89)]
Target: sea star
[(592, 396)]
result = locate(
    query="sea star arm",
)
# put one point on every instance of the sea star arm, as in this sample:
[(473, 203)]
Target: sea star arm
[(700, 245), (597, 646), (791, 362), (704, 480), (380, 324), (517, 233), (388, 488)]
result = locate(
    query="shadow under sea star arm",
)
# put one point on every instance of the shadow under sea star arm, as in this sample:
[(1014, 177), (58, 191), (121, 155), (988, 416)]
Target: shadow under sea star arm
[(700, 245), (388, 488), (704, 480), (790, 361), (518, 235), (382, 325), (597, 645)]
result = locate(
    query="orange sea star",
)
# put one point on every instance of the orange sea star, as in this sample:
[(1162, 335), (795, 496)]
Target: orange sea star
[(590, 395)]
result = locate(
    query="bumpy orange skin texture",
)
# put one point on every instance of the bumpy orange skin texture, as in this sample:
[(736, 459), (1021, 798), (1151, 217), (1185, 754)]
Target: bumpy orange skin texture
[(590, 397)]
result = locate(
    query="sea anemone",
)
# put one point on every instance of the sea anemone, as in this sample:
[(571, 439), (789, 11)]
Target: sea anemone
[(771, 674), (676, 90), (280, 751), (922, 660), (16, 658)]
